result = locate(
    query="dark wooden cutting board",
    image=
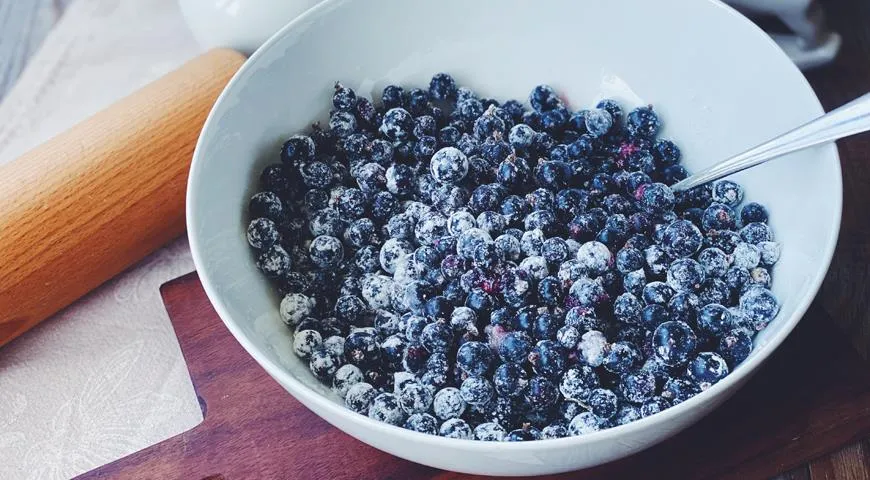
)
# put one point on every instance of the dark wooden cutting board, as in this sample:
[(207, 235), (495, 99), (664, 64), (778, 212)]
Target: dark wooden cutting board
[(812, 397)]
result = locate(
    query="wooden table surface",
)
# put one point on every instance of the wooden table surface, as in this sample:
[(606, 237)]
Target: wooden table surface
[(25, 23)]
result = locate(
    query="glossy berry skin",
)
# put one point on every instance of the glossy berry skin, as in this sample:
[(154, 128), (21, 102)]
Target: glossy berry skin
[(621, 358), (509, 380), (683, 307), (602, 402), (540, 393), (474, 358), (515, 347), (719, 216), (548, 359), (706, 369), (442, 87), (674, 342), (642, 122), (735, 346), (753, 212), (436, 336), (682, 239)]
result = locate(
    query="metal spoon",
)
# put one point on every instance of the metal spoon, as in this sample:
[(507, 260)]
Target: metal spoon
[(851, 118)]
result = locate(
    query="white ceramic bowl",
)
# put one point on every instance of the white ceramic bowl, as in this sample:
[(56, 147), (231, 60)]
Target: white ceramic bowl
[(719, 83)]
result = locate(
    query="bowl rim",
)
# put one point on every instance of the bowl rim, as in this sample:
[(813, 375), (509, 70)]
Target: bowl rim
[(308, 395)]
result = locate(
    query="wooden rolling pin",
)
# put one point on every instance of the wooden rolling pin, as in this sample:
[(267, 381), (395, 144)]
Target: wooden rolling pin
[(89, 203)]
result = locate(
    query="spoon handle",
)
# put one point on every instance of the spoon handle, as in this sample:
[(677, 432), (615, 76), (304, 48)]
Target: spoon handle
[(851, 118)]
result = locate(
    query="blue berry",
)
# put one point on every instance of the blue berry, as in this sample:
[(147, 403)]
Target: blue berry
[(654, 405), (415, 398), (342, 123), (557, 429), (544, 98), (621, 358), (515, 347), (489, 432), (297, 150), (683, 307), (474, 358), (602, 402), (629, 259), (666, 152), (759, 305), (344, 98), (541, 393), (674, 342), (653, 315), (509, 379), (436, 337), (598, 122), (627, 414), (714, 319), (525, 434), (753, 212), (718, 216), (521, 136), (678, 390), (449, 165), (612, 107), (423, 423), (586, 292), (714, 290), (442, 87), (755, 233), (682, 239), (585, 423), (706, 369), (548, 358), (734, 346), (593, 348), (643, 122), (488, 125), (638, 387), (359, 397), (727, 192), (323, 364), (476, 391), (274, 262), (627, 308), (448, 403), (657, 292), (385, 408), (262, 233), (685, 275), (397, 125), (326, 251), (657, 260)]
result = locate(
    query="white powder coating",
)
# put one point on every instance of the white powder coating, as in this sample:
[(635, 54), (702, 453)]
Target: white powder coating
[(532, 241), (456, 428), (685, 275), (276, 259), (294, 307), (401, 379), (568, 337), (584, 423), (570, 271), (326, 251), (509, 246), (326, 364), (431, 227), (573, 385), (346, 377), (334, 345), (746, 255), (416, 209), (391, 250), (405, 270), (595, 257), (535, 266), (770, 252), (448, 165), (415, 398), (305, 341), (489, 432), (491, 222), (460, 221), (760, 306), (587, 292), (376, 290), (335, 195), (593, 348), (463, 320), (359, 397), (469, 240), (715, 367), (448, 403), (385, 408), (573, 247)]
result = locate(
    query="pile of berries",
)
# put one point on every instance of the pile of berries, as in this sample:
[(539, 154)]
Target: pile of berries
[(480, 270)]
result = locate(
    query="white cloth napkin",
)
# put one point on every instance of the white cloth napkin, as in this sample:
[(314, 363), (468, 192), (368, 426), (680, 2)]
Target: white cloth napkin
[(105, 377)]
